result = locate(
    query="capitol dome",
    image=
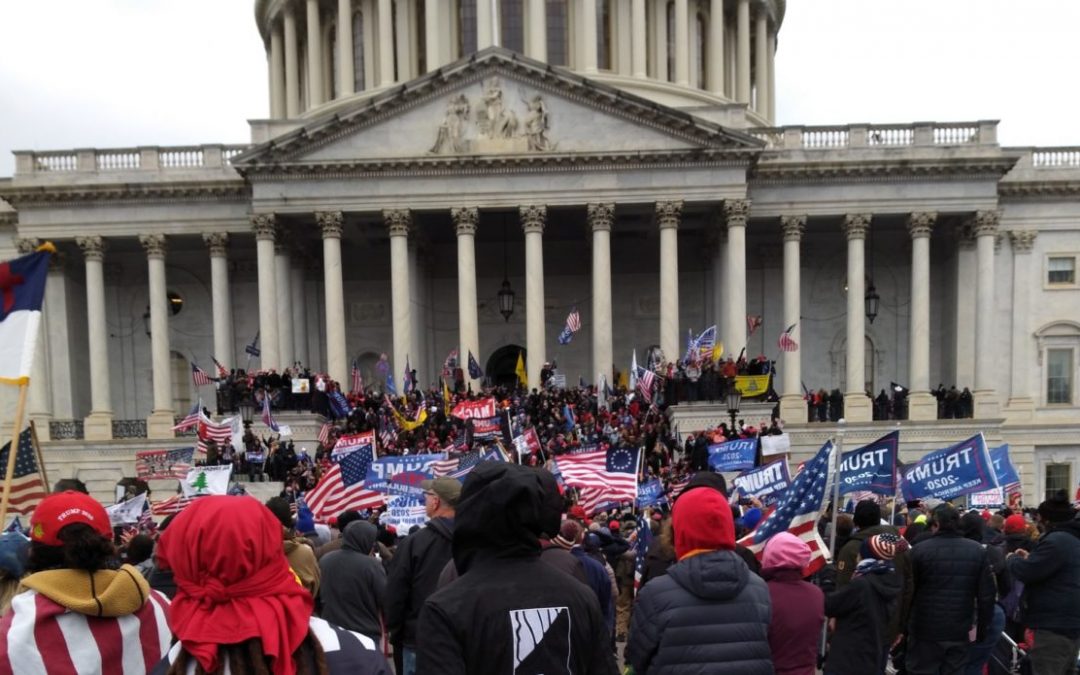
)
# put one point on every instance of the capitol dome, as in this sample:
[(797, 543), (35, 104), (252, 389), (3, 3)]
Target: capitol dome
[(715, 57)]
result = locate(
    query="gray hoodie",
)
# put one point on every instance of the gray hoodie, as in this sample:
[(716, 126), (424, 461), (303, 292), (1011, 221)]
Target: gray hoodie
[(354, 583)]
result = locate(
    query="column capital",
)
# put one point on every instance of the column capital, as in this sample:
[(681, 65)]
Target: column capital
[(465, 219), (1022, 240), (856, 224), (985, 223), (533, 217), (331, 223), (217, 242), (920, 224), (398, 221), (93, 247), (793, 227), (154, 244), (27, 245), (668, 214), (264, 225), (601, 216), (736, 211)]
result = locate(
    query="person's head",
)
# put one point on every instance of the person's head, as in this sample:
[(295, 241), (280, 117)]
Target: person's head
[(72, 484), (70, 530), (997, 521), (139, 549), (972, 525), (1056, 509), (570, 534), (884, 546), (867, 514), (441, 496), (845, 525), (947, 518), (279, 507), (345, 518), (1015, 524), (785, 551), (360, 535), (702, 522)]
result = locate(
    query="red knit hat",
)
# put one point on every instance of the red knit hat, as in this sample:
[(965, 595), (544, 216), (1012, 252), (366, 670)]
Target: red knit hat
[(1015, 524), (702, 521), (59, 510)]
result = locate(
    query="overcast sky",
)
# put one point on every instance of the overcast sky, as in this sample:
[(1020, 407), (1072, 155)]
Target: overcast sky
[(122, 73)]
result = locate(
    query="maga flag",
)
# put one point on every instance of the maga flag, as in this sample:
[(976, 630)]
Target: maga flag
[(22, 290)]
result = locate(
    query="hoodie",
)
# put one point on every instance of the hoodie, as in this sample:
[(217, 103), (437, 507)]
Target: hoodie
[(798, 607), (862, 609), (413, 575), (353, 589)]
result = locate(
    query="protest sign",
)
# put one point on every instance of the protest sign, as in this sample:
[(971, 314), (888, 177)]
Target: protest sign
[(404, 512), (987, 499), (127, 512), (485, 429), (766, 483), (351, 442), (736, 455), (872, 467), (301, 385), (481, 408), (401, 474), (951, 472), (779, 444), (161, 464), (649, 493)]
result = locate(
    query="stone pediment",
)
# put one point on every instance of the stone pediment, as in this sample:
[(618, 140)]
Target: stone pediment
[(496, 104)]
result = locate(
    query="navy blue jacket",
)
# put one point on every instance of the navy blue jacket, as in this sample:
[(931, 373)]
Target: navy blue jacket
[(597, 579), (1051, 576), (952, 582)]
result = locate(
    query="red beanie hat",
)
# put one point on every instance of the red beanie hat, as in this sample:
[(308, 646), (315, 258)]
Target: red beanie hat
[(702, 521), (1015, 524)]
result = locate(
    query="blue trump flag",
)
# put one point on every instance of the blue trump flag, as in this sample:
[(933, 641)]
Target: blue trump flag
[(737, 455), (1003, 466), (475, 372), (767, 483), (871, 468), (951, 472), (649, 493)]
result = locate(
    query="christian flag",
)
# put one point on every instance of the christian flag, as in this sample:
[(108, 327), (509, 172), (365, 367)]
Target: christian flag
[(22, 290)]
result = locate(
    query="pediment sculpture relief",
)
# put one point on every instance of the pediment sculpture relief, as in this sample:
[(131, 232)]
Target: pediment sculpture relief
[(496, 128)]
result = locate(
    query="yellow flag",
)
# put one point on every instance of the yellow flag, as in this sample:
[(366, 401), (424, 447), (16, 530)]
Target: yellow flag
[(522, 376), (717, 351), (405, 423), (446, 398), (752, 385)]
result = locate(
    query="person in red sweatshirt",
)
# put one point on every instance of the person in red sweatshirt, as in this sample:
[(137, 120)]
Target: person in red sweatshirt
[(798, 607)]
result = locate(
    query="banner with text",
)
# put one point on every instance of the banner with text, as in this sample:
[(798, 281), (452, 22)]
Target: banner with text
[(871, 467), (466, 410), (737, 455), (401, 474), (351, 442), (649, 493), (767, 483), (403, 512), (951, 472), (1003, 466), (775, 444)]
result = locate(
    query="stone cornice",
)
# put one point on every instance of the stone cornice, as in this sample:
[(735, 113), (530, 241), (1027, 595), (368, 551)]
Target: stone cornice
[(1051, 188), (879, 170), (127, 193)]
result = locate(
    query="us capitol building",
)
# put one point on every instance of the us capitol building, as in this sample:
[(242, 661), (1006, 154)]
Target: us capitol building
[(617, 156)]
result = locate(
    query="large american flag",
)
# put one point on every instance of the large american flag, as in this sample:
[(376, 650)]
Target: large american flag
[(601, 475), (342, 487), (705, 343), (192, 419), (211, 431), (158, 464), (27, 486), (786, 342), (798, 511), (174, 504), (573, 325), (199, 376)]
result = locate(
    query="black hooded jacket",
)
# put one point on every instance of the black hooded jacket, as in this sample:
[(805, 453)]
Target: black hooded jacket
[(1051, 576), (353, 586), (508, 612), (414, 576), (863, 609)]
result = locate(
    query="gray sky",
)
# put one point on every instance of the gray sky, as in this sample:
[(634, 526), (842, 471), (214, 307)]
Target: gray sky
[(122, 73)]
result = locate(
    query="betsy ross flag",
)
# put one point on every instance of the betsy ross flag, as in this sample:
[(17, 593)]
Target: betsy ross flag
[(22, 290), (753, 322), (357, 379), (573, 325), (199, 376), (27, 486), (342, 488), (192, 419), (786, 343), (601, 475), (798, 511), (222, 371)]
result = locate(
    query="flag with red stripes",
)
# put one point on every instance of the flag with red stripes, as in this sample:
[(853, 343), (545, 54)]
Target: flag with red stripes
[(27, 487), (199, 376), (192, 419), (324, 435), (601, 475), (786, 342), (174, 504), (342, 487), (222, 371), (753, 322), (357, 379), (645, 381), (221, 433)]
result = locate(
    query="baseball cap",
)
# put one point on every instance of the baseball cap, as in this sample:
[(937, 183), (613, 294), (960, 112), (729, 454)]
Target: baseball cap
[(59, 510), (448, 489)]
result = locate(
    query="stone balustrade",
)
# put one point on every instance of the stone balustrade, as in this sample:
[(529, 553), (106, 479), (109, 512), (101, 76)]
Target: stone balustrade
[(919, 134), (104, 160), (1055, 158)]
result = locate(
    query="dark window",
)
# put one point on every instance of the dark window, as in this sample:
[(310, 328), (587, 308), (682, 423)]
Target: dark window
[(511, 25), (603, 35), (467, 27), (358, 51), (556, 32)]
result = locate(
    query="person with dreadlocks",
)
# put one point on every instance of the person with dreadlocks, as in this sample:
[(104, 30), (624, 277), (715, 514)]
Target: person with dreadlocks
[(239, 609)]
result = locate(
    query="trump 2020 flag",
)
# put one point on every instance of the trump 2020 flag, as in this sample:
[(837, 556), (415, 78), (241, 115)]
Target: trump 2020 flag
[(22, 290), (736, 455), (951, 472), (872, 467)]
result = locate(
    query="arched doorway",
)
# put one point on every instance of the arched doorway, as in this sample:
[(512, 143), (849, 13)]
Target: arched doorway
[(366, 362), (502, 365)]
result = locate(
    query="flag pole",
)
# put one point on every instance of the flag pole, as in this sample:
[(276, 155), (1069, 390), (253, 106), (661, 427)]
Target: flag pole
[(13, 449), (37, 454)]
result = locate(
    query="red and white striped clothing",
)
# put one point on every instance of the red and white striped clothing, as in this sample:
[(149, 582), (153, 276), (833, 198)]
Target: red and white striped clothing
[(40, 636)]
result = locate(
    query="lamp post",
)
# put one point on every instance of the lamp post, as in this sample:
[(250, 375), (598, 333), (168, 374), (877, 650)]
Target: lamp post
[(506, 300), (247, 413), (734, 400), (871, 299)]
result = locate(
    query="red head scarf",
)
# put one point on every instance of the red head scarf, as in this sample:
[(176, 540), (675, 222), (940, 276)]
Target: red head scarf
[(233, 582)]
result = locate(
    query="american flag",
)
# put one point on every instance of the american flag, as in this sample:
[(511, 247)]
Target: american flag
[(342, 487), (467, 462), (199, 376), (676, 487), (324, 435), (449, 364), (27, 486), (573, 325), (192, 419), (753, 322), (211, 431), (786, 343), (267, 418), (798, 511), (387, 432), (357, 379), (407, 382), (705, 343), (444, 467), (159, 464), (174, 504), (645, 380), (641, 546), (222, 371), (601, 475)]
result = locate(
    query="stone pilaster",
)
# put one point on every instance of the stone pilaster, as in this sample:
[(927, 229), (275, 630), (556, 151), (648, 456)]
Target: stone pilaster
[(984, 226), (921, 403), (398, 223), (736, 213), (601, 219), (331, 224), (265, 227), (98, 424)]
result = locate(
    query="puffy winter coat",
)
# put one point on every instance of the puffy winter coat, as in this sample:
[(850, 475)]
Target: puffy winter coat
[(1051, 576), (708, 614), (952, 583), (414, 575)]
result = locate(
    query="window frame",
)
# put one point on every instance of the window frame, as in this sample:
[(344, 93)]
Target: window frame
[(1072, 351), (1061, 286)]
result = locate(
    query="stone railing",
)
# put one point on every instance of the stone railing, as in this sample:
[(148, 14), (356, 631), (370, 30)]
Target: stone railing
[(1056, 158), (919, 134), (129, 428), (127, 159), (66, 430)]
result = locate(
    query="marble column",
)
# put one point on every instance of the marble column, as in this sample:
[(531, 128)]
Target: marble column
[(386, 43), (761, 62), (921, 403), (742, 52), (668, 215), (221, 297), (346, 70), (292, 64), (533, 219), (601, 220), (368, 27), (736, 211), (714, 69), (299, 308), (638, 40), (398, 222), (39, 402), (660, 49), (588, 31), (1021, 404), (792, 405), (485, 25), (985, 228), (314, 55), (771, 61), (160, 422), (264, 225), (282, 286), (857, 405), (465, 222), (331, 224), (433, 31), (682, 43), (98, 425), (277, 71), (404, 41), (536, 47)]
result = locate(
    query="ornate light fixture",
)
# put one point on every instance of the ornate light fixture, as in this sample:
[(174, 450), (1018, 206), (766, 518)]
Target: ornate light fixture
[(506, 294), (872, 299), (247, 412), (734, 400)]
